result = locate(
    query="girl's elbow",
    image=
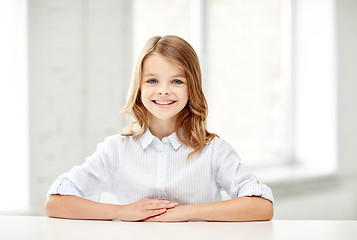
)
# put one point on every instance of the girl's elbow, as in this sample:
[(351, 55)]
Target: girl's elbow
[(268, 212), (50, 206), (264, 209)]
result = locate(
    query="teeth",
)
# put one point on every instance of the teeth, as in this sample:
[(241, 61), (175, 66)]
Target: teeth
[(164, 103)]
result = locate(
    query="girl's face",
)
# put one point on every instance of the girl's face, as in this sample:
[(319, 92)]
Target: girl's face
[(164, 90)]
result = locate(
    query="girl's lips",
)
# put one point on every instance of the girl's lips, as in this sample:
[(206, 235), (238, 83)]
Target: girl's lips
[(163, 103)]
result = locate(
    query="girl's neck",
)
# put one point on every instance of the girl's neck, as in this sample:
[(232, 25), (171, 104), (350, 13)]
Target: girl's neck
[(162, 128)]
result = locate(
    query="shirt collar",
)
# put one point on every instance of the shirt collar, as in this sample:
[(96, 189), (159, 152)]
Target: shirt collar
[(175, 141), (147, 138)]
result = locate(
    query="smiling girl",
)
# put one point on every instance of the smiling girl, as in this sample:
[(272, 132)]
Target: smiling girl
[(165, 166)]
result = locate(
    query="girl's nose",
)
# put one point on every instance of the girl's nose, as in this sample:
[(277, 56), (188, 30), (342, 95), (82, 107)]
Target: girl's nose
[(163, 91)]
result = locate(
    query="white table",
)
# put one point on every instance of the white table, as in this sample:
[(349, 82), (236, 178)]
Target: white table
[(29, 227)]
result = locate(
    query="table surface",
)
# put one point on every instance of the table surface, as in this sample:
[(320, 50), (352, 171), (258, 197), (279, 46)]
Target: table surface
[(39, 227)]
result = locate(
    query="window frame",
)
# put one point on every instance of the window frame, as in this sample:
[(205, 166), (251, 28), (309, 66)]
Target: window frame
[(296, 163), (198, 41), (315, 161)]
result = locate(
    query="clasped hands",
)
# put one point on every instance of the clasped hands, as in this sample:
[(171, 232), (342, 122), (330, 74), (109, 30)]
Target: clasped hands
[(154, 210)]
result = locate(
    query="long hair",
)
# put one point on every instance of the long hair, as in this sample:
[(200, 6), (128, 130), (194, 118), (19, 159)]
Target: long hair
[(192, 119)]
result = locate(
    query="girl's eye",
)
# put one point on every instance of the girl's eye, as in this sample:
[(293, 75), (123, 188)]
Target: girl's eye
[(152, 81), (177, 81)]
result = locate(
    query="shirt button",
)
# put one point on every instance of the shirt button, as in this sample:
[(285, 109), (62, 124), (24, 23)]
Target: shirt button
[(162, 154)]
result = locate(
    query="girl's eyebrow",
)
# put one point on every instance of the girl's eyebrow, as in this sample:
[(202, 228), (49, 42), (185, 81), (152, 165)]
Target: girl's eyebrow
[(179, 76), (150, 75), (173, 76)]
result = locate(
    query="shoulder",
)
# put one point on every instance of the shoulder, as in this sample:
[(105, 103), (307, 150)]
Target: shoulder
[(117, 140), (219, 143), (113, 146), (222, 150)]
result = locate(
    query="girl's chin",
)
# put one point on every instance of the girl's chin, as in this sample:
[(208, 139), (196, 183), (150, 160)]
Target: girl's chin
[(162, 118)]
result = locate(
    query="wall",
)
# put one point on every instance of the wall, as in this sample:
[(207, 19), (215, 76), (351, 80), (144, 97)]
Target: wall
[(80, 66)]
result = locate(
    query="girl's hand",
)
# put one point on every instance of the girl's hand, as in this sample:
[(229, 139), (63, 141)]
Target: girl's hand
[(177, 214), (144, 209)]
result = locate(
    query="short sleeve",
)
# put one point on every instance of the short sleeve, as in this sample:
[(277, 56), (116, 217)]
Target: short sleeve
[(233, 177), (93, 177)]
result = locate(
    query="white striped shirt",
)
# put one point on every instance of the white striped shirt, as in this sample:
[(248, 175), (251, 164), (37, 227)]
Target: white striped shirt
[(134, 168)]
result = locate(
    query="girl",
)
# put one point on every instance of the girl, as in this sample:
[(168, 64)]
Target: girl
[(165, 166)]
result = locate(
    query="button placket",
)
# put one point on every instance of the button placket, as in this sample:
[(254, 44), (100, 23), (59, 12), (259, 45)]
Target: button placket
[(161, 171)]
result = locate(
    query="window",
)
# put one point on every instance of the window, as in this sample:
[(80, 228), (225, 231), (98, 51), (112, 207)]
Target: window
[(13, 104), (245, 90), (239, 45), (314, 89)]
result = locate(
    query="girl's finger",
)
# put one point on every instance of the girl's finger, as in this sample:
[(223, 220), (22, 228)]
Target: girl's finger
[(161, 205), (154, 201), (156, 212), (165, 202)]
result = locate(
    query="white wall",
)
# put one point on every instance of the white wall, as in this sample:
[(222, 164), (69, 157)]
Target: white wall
[(80, 55), (80, 51)]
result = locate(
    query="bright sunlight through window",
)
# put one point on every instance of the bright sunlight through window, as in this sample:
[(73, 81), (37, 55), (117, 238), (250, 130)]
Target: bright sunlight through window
[(13, 104)]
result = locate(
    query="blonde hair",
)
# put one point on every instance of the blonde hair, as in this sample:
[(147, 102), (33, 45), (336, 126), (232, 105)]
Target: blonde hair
[(192, 119)]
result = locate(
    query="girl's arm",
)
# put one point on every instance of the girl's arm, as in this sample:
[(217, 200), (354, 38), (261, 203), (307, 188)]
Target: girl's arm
[(73, 207), (236, 209)]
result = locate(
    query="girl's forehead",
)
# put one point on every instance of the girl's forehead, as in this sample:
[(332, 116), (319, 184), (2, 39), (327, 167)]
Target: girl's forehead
[(158, 62), (170, 59)]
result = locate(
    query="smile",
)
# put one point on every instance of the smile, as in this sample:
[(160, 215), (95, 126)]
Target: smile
[(169, 102)]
